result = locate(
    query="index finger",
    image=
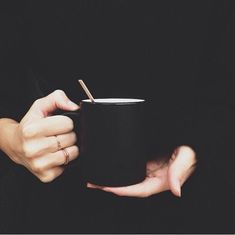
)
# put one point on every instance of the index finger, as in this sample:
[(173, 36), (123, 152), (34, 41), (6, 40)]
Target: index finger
[(53, 125)]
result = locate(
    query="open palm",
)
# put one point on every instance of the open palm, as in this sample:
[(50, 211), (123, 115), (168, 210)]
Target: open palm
[(160, 176)]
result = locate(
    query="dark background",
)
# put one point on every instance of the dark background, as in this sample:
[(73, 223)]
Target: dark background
[(178, 55)]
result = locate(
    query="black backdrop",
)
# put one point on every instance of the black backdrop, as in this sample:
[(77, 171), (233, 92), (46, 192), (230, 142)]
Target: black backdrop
[(178, 55)]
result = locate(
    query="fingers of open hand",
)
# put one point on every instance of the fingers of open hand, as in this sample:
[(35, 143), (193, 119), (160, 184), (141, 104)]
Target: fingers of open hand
[(182, 166), (144, 189)]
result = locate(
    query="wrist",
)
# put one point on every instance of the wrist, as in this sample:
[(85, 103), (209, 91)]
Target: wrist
[(9, 137)]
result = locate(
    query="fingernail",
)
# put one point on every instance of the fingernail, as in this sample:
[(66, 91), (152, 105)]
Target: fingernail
[(72, 105)]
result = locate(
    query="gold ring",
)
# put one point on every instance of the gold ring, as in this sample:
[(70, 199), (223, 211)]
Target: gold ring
[(66, 155), (58, 143)]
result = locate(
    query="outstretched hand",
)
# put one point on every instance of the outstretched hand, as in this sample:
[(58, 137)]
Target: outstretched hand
[(160, 176)]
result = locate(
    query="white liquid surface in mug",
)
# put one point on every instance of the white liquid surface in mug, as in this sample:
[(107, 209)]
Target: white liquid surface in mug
[(115, 100)]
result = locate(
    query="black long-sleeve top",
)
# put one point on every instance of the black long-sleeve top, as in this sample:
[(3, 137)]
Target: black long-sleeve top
[(175, 54)]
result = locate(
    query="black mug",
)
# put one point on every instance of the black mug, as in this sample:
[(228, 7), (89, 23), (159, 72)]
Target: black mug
[(112, 141)]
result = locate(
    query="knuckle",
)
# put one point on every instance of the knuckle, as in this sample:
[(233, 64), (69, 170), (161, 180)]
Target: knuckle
[(35, 167), (27, 150), (49, 177), (59, 93), (45, 179), (28, 131)]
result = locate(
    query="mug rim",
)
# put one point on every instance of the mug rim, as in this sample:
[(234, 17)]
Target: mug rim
[(114, 101)]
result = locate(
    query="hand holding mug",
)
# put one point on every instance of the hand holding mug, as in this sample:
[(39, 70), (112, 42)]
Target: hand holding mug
[(43, 143)]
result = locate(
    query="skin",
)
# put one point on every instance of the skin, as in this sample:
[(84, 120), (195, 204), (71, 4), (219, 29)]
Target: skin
[(160, 176), (32, 143)]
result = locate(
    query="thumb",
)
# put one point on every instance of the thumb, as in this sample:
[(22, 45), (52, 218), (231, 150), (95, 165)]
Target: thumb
[(45, 106), (181, 168)]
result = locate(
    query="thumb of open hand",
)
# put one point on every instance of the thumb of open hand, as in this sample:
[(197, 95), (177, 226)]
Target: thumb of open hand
[(182, 166)]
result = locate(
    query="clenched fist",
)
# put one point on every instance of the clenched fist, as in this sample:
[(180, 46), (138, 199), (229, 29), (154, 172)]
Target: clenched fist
[(41, 142)]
